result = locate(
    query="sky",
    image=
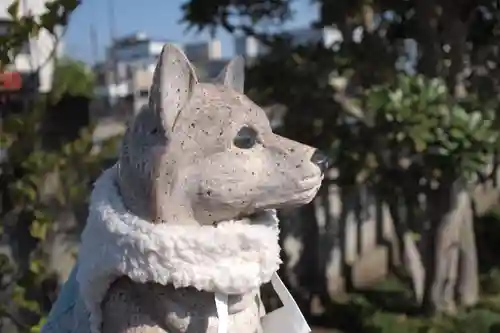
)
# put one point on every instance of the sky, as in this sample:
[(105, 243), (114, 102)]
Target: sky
[(156, 18)]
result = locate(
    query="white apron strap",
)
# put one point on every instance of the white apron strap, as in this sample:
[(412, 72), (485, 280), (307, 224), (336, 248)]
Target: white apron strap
[(222, 312), (287, 319)]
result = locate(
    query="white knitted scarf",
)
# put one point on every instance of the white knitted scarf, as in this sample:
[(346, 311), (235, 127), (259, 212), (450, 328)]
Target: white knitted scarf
[(232, 258)]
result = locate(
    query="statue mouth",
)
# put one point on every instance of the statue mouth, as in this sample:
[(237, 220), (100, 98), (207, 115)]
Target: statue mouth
[(264, 212), (257, 217)]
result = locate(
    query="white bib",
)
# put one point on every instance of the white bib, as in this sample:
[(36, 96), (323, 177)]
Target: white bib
[(287, 319)]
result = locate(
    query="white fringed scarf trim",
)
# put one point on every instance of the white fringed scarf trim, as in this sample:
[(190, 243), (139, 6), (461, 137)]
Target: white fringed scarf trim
[(232, 258)]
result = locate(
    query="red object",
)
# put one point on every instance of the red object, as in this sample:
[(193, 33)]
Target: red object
[(10, 81)]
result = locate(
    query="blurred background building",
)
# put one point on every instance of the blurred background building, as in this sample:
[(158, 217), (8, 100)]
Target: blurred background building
[(34, 63), (124, 77), (250, 47), (32, 69)]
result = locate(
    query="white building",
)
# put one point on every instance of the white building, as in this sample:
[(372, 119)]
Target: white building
[(250, 47), (125, 57), (203, 51), (130, 63), (36, 57)]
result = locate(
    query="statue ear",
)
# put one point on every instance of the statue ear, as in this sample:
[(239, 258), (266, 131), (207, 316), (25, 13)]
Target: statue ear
[(233, 75), (173, 81)]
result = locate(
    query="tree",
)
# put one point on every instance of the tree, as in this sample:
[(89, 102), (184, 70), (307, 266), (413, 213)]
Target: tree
[(72, 77), (24, 27), (37, 185), (409, 121)]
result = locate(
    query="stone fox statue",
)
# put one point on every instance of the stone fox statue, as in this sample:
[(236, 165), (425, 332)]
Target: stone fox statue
[(182, 231)]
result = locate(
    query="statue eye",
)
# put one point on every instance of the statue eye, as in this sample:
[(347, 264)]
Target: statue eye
[(246, 138)]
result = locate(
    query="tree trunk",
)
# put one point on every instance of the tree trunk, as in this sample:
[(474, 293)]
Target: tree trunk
[(299, 240), (451, 262), (413, 264), (468, 276), (368, 18), (456, 37), (328, 213), (347, 234), (446, 258), (408, 251), (428, 38)]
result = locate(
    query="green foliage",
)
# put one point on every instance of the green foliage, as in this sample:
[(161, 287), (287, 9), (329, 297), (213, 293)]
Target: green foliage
[(37, 184), (387, 308), (201, 14), (72, 77), (382, 314), (413, 129), (394, 323), (422, 123), (38, 327), (28, 26), (49, 181), (476, 320)]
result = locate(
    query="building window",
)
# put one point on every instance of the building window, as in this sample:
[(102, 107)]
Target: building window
[(130, 72)]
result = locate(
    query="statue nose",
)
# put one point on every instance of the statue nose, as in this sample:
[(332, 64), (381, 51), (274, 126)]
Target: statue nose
[(321, 160)]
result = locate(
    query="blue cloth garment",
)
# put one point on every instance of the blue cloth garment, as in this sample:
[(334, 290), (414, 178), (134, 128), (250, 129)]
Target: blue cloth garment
[(68, 314)]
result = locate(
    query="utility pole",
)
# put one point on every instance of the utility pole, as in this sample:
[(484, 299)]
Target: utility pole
[(94, 45), (112, 23), (112, 34)]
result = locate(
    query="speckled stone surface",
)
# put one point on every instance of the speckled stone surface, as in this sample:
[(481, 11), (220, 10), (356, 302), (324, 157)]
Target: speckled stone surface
[(204, 152), (199, 154), (154, 308)]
